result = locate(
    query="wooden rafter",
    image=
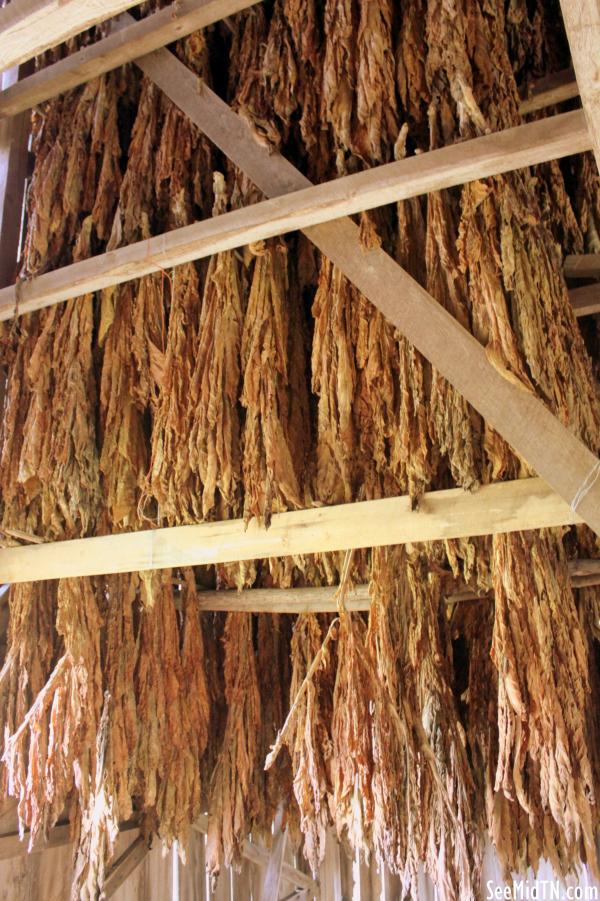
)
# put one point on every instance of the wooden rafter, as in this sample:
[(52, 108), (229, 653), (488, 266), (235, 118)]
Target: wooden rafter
[(582, 24), (523, 420), (28, 27), (126, 42), (303, 204), (453, 513)]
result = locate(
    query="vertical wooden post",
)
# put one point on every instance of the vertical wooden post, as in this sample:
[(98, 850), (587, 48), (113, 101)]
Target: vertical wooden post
[(14, 137), (330, 876), (193, 876), (362, 880)]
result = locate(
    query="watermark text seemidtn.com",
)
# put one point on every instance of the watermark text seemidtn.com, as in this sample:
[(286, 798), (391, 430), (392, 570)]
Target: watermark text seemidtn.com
[(540, 890)]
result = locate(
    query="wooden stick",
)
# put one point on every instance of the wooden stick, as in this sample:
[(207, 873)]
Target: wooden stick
[(22, 536), (283, 600), (582, 265), (582, 24), (303, 206), (322, 600), (127, 41), (28, 27), (453, 513), (548, 91), (585, 300)]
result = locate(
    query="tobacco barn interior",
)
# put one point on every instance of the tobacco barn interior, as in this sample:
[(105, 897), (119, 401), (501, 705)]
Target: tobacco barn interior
[(299, 437)]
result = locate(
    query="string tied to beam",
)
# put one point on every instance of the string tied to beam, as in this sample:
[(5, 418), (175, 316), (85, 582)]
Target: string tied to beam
[(586, 486)]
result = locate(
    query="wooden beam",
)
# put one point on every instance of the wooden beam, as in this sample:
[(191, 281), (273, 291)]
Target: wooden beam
[(523, 420), (586, 300), (14, 154), (303, 204), (182, 17), (453, 513), (547, 91), (582, 24), (11, 845), (322, 600), (28, 27), (127, 41), (330, 874), (129, 860), (582, 265)]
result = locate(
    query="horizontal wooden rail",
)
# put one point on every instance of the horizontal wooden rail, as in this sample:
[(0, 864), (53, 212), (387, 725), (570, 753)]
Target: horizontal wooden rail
[(28, 27), (478, 158), (322, 600), (582, 265), (129, 42), (11, 845), (549, 90), (585, 300), (453, 513), (124, 44)]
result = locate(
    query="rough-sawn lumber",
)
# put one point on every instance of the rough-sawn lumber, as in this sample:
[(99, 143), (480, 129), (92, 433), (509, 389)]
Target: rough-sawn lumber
[(582, 24), (28, 27), (121, 46), (453, 513), (304, 204)]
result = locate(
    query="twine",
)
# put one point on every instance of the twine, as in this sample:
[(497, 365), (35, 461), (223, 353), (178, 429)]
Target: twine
[(586, 486), (15, 327)]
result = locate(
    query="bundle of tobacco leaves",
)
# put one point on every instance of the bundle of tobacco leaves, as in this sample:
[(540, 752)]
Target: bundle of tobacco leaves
[(52, 487), (233, 792), (544, 690)]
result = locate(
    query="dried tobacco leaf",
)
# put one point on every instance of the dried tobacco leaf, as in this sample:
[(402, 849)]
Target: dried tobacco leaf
[(272, 480), (543, 672), (233, 797)]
